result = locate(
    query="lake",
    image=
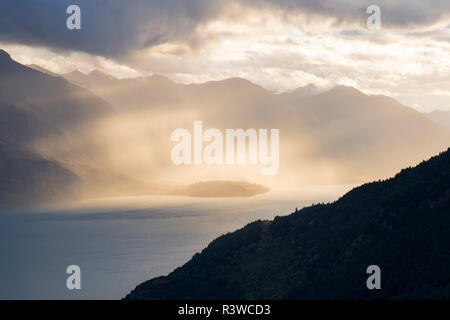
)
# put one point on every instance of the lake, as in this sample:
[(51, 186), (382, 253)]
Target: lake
[(121, 242)]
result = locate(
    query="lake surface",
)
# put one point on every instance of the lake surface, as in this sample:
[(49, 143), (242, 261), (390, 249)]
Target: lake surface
[(121, 242)]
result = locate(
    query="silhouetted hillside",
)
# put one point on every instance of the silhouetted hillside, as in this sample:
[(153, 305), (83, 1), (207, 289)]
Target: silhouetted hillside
[(27, 178), (322, 252), (36, 107), (51, 98)]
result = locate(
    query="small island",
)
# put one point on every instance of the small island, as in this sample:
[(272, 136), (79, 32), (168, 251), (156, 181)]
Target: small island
[(222, 189)]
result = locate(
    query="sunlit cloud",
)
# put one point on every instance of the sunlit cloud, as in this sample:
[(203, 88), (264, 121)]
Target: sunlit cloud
[(279, 45), (70, 61)]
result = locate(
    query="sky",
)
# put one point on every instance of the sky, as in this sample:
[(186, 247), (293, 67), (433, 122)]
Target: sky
[(280, 45)]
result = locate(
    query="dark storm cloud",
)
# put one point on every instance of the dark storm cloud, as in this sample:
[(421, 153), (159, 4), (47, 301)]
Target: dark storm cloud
[(117, 27), (109, 27), (395, 13)]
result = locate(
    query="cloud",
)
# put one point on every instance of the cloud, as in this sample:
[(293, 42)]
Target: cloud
[(399, 13), (109, 27), (115, 28), (67, 62), (279, 44)]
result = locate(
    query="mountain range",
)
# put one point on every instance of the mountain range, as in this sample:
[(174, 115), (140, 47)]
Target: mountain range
[(34, 107), (338, 135), (103, 136), (323, 251)]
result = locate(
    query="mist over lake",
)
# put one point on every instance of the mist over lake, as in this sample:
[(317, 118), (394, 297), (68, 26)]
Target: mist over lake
[(121, 242)]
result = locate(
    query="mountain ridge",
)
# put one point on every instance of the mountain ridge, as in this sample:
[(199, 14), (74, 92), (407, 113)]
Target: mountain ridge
[(36, 109), (441, 117), (322, 251), (338, 136)]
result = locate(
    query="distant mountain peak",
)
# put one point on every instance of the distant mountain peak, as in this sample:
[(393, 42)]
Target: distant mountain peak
[(342, 89), (5, 60), (100, 75), (8, 64), (229, 81), (75, 73), (307, 91), (238, 80), (4, 55), (235, 83), (42, 70)]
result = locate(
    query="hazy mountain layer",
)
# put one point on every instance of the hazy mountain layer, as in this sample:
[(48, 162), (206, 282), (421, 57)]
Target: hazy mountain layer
[(36, 112), (333, 136), (440, 117), (323, 251), (114, 135), (27, 178)]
